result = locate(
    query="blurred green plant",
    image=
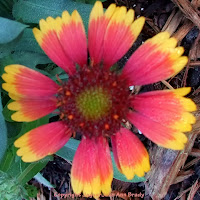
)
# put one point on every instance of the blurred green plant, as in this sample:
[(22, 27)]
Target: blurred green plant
[(10, 188)]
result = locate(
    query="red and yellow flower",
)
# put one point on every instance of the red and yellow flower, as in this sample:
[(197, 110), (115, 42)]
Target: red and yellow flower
[(96, 101)]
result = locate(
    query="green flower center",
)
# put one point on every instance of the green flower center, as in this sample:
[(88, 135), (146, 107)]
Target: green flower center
[(93, 103)]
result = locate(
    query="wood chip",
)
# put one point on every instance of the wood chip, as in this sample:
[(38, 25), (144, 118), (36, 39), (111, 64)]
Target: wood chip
[(189, 10)]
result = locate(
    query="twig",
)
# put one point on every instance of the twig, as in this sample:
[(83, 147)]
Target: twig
[(182, 175), (193, 190), (192, 162), (190, 12), (173, 22), (182, 193), (195, 63), (195, 153), (167, 85), (55, 192), (183, 30)]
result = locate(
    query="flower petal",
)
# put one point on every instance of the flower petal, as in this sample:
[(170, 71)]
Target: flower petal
[(42, 141), (105, 165), (63, 40), (89, 174), (130, 154), (162, 116), (96, 31), (72, 37), (30, 110), (85, 172), (111, 34), (22, 82), (157, 59), (48, 40)]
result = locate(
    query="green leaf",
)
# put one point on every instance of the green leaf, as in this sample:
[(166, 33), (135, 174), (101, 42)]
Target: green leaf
[(7, 113), (8, 159), (121, 177), (28, 43), (31, 190), (3, 133), (15, 167), (8, 48), (3, 62), (27, 51), (68, 152), (29, 59), (23, 50), (13, 164), (6, 8), (10, 30), (43, 180), (31, 11), (13, 128), (32, 169)]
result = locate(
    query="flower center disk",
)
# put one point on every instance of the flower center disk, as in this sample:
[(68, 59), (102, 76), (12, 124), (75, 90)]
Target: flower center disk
[(94, 101)]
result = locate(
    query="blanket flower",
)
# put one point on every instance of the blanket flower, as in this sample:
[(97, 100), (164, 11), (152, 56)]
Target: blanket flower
[(96, 100)]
